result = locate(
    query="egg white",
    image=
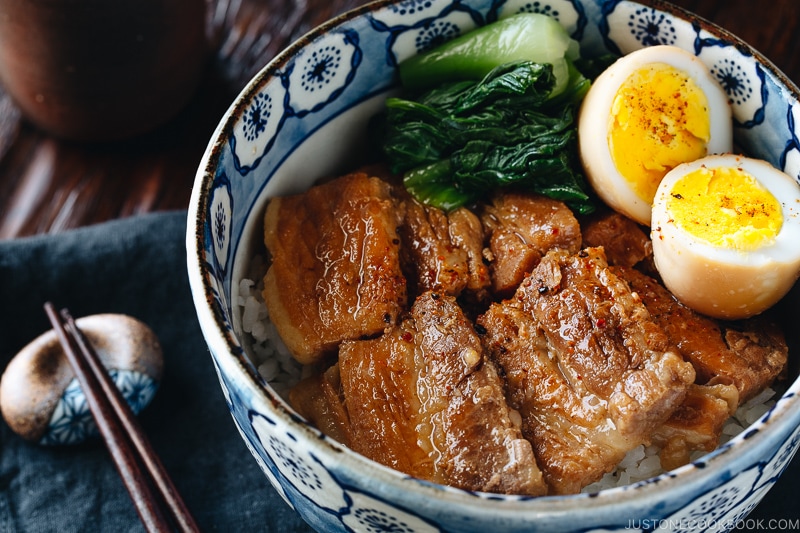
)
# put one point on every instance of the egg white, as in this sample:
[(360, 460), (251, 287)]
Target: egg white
[(593, 123), (724, 282)]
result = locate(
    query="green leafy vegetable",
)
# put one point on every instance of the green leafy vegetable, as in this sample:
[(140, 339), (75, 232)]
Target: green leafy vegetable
[(457, 142), (471, 56)]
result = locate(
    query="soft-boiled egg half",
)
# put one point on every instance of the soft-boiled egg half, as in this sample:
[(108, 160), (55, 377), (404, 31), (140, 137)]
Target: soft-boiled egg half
[(726, 235), (650, 111)]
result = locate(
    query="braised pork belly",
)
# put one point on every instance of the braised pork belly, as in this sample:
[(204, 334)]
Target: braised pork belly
[(749, 354), (624, 241), (588, 370), (379, 379), (335, 269), (319, 399), (424, 399), (522, 229), (443, 251), (493, 348), (697, 423)]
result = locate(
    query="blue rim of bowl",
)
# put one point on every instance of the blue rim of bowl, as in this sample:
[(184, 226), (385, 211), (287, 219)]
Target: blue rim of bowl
[(692, 475)]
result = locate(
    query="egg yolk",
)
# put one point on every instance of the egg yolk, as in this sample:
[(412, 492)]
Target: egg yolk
[(659, 119), (725, 207)]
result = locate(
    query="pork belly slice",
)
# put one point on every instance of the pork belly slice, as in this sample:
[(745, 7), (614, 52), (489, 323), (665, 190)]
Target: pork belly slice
[(589, 372), (379, 387), (523, 228), (335, 271), (696, 425), (751, 353), (463, 401), (624, 241), (467, 232), (443, 251), (318, 399), (425, 400)]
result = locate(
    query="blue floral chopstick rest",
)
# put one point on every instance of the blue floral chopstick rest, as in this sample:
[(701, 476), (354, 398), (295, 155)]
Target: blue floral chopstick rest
[(41, 399)]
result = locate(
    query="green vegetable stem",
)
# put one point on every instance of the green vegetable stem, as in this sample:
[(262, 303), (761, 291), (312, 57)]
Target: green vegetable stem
[(471, 56)]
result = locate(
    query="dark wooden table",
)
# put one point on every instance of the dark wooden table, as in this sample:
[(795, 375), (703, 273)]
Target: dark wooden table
[(48, 185)]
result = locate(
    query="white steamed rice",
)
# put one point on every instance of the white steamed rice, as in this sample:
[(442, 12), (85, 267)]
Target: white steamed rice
[(281, 371), (262, 342)]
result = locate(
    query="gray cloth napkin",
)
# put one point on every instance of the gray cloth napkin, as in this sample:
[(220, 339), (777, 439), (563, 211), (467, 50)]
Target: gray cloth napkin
[(135, 266)]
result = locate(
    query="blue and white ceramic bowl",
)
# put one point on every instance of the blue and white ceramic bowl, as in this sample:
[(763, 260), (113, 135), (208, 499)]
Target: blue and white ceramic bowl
[(303, 117)]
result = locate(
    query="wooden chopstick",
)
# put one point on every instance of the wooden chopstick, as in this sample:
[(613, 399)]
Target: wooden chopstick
[(157, 501)]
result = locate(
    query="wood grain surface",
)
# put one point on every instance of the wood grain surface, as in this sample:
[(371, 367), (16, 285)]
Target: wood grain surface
[(49, 185)]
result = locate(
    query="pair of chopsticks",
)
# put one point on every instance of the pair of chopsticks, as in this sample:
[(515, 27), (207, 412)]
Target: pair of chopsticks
[(157, 501)]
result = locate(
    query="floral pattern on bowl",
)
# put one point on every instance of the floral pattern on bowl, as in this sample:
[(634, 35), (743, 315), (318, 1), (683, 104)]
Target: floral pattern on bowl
[(280, 136), (417, 39), (322, 71), (221, 208), (408, 13), (790, 158), (739, 75), (569, 13), (255, 131)]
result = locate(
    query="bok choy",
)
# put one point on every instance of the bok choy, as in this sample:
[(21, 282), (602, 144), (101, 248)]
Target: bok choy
[(462, 138)]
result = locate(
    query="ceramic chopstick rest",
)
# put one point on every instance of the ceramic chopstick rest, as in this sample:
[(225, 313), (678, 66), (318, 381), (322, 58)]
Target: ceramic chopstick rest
[(41, 399)]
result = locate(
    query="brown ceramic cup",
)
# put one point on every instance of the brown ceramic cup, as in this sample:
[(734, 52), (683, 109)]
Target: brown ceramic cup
[(95, 70)]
